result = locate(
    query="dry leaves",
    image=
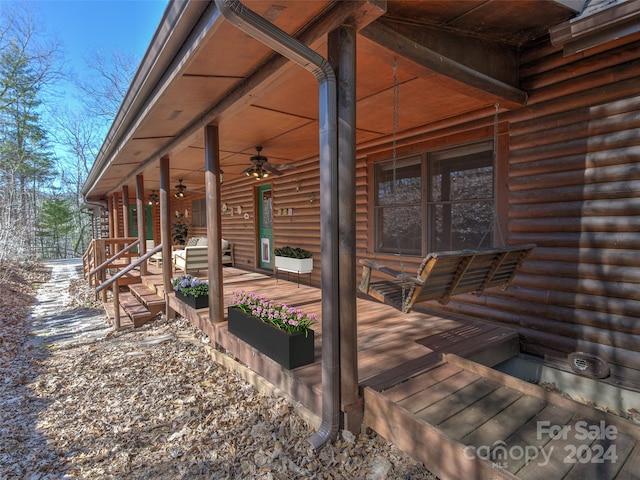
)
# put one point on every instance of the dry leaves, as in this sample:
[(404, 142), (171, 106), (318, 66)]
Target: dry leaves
[(151, 403), (18, 282)]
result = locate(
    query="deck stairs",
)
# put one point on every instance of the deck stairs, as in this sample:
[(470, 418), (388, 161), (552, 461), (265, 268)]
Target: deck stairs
[(139, 305)]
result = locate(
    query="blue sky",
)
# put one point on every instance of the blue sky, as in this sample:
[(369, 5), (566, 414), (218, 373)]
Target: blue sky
[(84, 26)]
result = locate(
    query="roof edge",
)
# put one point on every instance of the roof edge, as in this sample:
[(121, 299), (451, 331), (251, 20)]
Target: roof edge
[(597, 26)]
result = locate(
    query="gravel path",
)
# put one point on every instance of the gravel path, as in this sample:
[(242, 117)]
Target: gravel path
[(151, 403)]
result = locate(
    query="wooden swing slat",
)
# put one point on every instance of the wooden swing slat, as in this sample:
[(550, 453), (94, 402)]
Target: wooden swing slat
[(445, 274)]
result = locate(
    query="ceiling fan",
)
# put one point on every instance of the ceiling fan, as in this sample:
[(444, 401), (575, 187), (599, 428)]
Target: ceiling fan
[(261, 167), (180, 190)]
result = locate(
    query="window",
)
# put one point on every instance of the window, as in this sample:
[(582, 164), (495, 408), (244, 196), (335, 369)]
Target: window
[(437, 201), (199, 212)]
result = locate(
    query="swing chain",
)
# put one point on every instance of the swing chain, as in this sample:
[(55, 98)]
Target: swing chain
[(396, 126), (496, 221)]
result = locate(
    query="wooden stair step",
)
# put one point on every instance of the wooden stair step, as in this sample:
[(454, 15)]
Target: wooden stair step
[(147, 295), (135, 310), (155, 283), (125, 321)]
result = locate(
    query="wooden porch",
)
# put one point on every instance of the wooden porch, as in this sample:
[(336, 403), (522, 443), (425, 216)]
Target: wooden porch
[(429, 389)]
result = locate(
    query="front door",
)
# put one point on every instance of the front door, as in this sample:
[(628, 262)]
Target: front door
[(265, 226), (133, 221)]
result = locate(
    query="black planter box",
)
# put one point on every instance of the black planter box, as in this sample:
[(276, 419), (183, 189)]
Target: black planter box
[(194, 302), (290, 351)]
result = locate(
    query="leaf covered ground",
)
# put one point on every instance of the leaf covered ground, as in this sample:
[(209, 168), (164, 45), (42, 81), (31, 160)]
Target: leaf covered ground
[(151, 403)]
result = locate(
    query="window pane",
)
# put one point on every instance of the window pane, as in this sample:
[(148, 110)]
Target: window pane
[(267, 211), (401, 230), (458, 226), (198, 212), (398, 206), (460, 197), (467, 176), (407, 187)]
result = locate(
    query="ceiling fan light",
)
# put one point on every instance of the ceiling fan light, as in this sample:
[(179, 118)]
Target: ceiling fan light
[(181, 188)]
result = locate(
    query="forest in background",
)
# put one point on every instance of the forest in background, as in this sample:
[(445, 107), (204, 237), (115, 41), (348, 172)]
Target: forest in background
[(47, 143)]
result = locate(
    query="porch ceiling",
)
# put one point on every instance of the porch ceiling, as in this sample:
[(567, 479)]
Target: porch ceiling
[(258, 98)]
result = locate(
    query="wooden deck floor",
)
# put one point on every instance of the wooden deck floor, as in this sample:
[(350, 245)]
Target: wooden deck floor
[(428, 390), (464, 420)]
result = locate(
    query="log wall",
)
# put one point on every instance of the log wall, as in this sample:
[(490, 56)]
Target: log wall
[(297, 190), (574, 179)]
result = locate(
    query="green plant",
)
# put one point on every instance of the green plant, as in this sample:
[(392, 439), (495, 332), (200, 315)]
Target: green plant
[(289, 319), (292, 252), (190, 285), (180, 232)]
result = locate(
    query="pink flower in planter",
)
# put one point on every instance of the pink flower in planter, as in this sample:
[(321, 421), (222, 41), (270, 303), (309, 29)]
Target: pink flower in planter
[(289, 319)]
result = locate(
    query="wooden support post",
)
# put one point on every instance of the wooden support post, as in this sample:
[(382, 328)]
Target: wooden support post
[(342, 57), (103, 294), (116, 217), (142, 232), (125, 211), (116, 305), (214, 222), (100, 252), (125, 216), (165, 224), (115, 214), (110, 216)]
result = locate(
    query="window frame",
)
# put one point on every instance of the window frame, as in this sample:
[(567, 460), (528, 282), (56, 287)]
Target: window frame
[(425, 153)]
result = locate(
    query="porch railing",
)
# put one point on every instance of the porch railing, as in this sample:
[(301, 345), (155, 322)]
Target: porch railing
[(116, 252), (104, 254), (113, 281)]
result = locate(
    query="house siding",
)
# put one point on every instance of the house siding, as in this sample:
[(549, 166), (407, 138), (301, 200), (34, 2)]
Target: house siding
[(573, 182)]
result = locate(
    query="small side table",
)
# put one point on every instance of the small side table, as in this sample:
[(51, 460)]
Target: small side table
[(292, 271)]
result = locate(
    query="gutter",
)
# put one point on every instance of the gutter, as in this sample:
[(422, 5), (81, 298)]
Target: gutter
[(260, 29), (597, 26)]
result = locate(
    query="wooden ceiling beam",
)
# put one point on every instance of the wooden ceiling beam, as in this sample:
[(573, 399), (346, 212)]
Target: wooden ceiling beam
[(490, 69)]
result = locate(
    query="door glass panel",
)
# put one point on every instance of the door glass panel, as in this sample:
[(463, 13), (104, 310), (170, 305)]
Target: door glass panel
[(267, 215), (265, 222)]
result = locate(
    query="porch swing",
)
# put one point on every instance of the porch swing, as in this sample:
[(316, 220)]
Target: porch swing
[(442, 275)]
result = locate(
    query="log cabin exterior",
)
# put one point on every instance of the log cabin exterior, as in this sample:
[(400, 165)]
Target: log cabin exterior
[(540, 98)]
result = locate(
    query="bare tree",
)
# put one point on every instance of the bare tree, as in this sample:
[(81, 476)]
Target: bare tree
[(108, 83), (26, 68)]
